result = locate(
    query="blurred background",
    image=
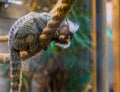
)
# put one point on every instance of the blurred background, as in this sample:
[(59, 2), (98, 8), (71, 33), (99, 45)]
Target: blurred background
[(60, 70)]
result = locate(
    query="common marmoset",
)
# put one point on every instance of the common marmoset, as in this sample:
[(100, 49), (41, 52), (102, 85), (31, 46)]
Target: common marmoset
[(24, 36)]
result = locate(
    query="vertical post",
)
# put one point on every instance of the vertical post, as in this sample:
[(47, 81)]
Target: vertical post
[(102, 63), (94, 45), (116, 40)]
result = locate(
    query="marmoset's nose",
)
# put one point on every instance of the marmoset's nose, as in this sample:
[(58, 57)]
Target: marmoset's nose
[(62, 38)]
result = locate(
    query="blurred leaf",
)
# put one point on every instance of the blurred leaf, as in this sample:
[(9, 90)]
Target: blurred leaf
[(78, 40)]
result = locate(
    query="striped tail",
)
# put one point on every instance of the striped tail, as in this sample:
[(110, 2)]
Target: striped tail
[(15, 71)]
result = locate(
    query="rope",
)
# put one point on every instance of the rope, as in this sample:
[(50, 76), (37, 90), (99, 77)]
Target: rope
[(4, 38)]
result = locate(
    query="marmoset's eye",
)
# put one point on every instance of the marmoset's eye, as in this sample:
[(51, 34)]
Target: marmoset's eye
[(67, 37)]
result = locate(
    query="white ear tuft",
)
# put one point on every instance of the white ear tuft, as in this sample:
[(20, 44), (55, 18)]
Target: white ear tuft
[(73, 27)]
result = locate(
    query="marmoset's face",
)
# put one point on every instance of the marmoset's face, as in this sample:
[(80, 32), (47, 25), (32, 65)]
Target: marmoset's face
[(64, 34)]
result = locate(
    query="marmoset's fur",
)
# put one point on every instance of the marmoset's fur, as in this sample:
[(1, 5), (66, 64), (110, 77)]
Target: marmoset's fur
[(24, 36)]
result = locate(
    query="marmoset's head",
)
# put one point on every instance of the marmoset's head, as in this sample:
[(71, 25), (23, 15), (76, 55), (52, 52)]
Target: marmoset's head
[(65, 33)]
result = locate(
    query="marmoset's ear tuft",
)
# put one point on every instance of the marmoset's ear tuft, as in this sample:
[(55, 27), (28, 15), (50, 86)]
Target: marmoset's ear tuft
[(73, 27)]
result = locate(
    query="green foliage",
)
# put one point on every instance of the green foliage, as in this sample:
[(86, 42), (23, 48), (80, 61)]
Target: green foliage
[(4, 69), (77, 58)]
